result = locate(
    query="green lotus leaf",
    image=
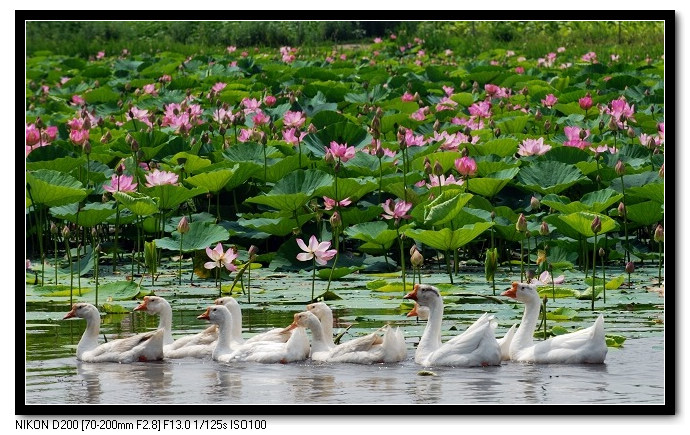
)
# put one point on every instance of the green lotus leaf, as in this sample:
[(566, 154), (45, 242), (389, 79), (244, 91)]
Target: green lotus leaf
[(635, 180), (90, 215), (102, 95), (280, 168), (569, 155), (200, 236), (293, 191), (612, 284), (353, 188), (170, 196), (212, 181), (192, 163), (376, 232), (116, 291), (388, 122), (613, 340), (53, 188), (137, 203), (645, 213), (326, 118), (445, 158), (596, 201), (354, 215), (338, 272), (62, 164), (56, 291), (556, 220), (549, 177), (486, 168), (582, 223), (490, 185), (653, 191), (501, 147), (248, 152), (447, 239), (280, 225), (561, 313), (463, 98), (445, 207), (561, 292), (513, 125)]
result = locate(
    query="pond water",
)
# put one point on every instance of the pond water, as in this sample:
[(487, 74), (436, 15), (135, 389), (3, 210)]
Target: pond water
[(634, 373)]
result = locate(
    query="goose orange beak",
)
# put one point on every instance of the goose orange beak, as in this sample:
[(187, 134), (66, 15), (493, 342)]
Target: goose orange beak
[(512, 291), (413, 312), (413, 294), (204, 315), (72, 313), (143, 305)]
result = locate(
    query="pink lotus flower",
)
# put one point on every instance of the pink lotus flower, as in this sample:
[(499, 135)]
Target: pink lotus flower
[(600, 149), (393, 36), (159, 178), (466, 166), (165, 78), (448, 52), (149, 89), (550, 100), (290, 136), (481, 109), (100, 55), (585, 102), (442, 180), (448, 90), (315, 250), (533, 147), (377, 40), (589, 57), (420, 114), (122, 183), (244, 135), (78, 137), (407, 97), (397, 210), (412, 140), (270, 100), (545, 279), (231, 48), (33, 136), (560, 49), (250, 105), (220, 258), (260, 118), (218, 87), (329, 203), (49, 134), (445, 104), (139, 115), (341, 151), (519, 70), (77, 100), (294, 119), (574, 140)]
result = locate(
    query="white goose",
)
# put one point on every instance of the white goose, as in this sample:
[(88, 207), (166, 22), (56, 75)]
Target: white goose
[(199, 345), (261, 351), (141, 347), (278, 335), (584, 346), (368, 349), (422, 313), (477, 346)]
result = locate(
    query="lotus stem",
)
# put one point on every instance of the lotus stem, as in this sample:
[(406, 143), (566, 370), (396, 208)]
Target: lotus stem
[(313, 277), (522, 256), (603, 273), (336, 238), (402, 257), (56, 258), (380, 178), (626, 258), (447, 257), (249, 280), (660, 254), (117, 230), (180, 261), (71, 273)]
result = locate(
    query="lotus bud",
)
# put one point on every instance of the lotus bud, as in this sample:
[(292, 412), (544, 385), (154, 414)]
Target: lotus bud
[(521, 224), (651, 109), (337, 166), (537, 115), (547, 125), (588, 81), (312, 128), (119, 168), (601, 125), (336, 221), (490, 263), (631, 132), (467, 131), (183, 225), (87, 147), (492, 124), (134, 145), (65, 232), (497, 132), (329, 158), (534, 203), (493, 215), (463, 85), (602, 252), (659, 234), (620, 168), (544, 229), (529, 275), (475, 87), (661, 171), (53, 228), (94, 233), (502, 104), (379, 150), (438, 169), (596, 225), (416, 258), (253, 250), (621, 210), (222, 130), (141, 155), (629, 267), (106, 137)]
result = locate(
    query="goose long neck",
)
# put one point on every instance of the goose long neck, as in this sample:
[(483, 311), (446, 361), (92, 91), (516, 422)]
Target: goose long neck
[(89, 339), (224, 335), (165, 323), (431, 338), (318, 336), (236, 318), (326, 319), (525, 334)]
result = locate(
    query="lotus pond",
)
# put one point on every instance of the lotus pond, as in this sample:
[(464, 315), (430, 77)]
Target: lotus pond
[(286, 176)]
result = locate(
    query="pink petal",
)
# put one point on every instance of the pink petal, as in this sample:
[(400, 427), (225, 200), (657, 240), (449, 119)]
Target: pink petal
[(313, 244), (302, 246), (210, 265), (303, 256)]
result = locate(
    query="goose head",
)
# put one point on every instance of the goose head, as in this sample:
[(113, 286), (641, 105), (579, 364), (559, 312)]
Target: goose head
[(215, 314), (424, 294), (319, 309), (305, 319), (82, 310), (422, 313), (522, 292), (153, 305), (227, 301)]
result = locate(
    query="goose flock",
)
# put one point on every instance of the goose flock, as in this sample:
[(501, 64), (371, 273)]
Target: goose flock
[(223, 341)]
